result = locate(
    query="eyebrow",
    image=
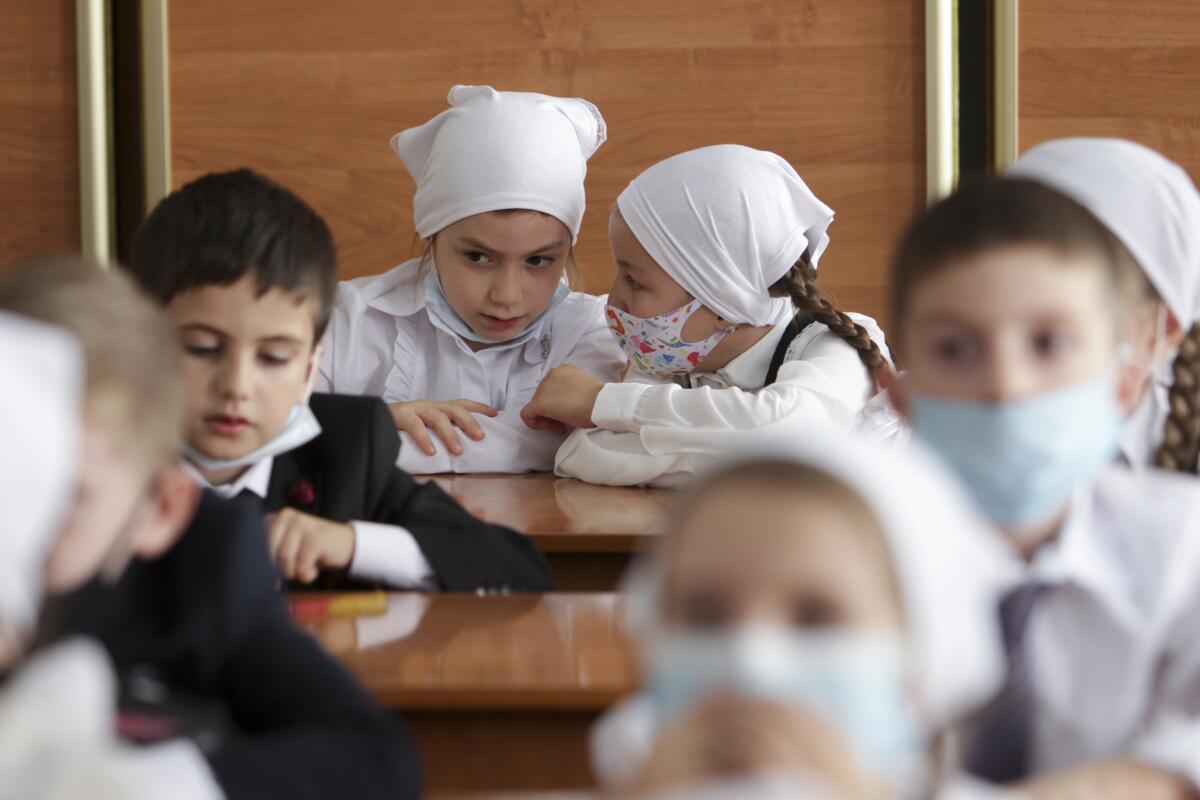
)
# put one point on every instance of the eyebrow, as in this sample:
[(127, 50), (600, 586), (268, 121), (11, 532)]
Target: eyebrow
[(473, 242), (281, 338)]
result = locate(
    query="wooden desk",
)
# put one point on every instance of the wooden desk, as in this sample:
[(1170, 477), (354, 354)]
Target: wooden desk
[(499, 692), (587, 532)]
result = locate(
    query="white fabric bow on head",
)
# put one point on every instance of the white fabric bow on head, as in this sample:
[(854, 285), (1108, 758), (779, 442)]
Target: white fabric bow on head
[(1146, 200), (951, 566), (40, 418), (494, 150), (726, 222)]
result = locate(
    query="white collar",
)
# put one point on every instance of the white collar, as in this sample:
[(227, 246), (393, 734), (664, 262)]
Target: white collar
[(257, 479), (749, 369)]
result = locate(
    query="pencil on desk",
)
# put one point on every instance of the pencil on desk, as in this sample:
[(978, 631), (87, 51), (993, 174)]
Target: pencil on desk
[(361, 604)]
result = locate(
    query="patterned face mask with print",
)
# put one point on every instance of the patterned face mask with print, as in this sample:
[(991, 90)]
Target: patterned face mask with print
[(655, 345)]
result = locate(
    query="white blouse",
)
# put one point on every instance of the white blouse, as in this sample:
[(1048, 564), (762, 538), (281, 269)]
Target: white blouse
[(381, 341), (655, 431)]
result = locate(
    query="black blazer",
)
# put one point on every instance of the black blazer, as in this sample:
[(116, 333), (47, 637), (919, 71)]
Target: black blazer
[(349, 473), (206, 621)]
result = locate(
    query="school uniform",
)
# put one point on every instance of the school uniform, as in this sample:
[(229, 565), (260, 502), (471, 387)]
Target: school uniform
[(382, 341), (800, 376), (275, 715), (1112, 643), (407, 534)]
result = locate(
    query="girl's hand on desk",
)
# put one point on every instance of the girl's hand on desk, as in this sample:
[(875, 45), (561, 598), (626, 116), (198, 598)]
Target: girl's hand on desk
[(302, 545), (564, 399), (418, 416)]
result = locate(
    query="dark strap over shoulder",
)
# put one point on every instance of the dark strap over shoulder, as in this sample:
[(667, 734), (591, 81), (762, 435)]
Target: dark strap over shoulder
[(799, 322)]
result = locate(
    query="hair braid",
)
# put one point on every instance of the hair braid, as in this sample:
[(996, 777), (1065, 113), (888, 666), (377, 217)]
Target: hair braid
[(800, 284), (1181, 432)]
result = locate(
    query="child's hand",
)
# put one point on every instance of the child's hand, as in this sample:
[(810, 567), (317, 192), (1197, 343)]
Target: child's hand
[(302, 544), (564, 400), (418, 416)]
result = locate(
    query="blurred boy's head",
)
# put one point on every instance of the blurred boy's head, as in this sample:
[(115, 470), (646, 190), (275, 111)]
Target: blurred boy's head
[(247, 273), (132, 499)]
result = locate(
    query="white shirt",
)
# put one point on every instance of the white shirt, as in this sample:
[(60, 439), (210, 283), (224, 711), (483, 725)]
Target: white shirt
[(1114, 648), (381, 341), (383, 553), (57, 740), (655, 431)]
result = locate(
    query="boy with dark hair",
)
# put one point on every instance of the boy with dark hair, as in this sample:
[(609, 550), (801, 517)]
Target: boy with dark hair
[(196, 608), (247, 271)]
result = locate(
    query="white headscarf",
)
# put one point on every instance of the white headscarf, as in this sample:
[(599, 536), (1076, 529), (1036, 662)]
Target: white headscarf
[(39, 428), (498, 150), (951, 565), (1146, 200), (726, 222)]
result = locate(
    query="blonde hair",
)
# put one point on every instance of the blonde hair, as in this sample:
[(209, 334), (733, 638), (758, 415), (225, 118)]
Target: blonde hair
[(131, 351)]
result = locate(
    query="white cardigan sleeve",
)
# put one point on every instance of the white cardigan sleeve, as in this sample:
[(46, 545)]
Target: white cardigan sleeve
[(661, 433)]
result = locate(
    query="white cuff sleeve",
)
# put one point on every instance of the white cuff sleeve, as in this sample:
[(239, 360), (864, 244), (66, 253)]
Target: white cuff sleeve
[(389, 554), (616, 406), (1173, 745), (176, 769)]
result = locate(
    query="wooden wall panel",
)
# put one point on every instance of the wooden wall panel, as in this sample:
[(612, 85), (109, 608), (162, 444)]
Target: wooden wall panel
[(311, 92), (39, 166), (1112, 68)]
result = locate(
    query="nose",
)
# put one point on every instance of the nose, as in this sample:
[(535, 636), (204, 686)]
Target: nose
[(1010, 375), (233, 378), (506, 290)]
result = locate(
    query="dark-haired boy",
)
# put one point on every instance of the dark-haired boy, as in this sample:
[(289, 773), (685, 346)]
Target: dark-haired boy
[(247, 272)]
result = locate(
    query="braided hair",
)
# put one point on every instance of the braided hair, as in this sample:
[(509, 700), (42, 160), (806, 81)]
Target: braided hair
[(1180, 446), (800, 284)]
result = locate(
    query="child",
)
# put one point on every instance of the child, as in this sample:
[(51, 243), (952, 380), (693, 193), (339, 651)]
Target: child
[(818, 614), (460, 338), (1010, 301), (1152, 207), (716, 305), (56, 707), (247, 272), (195, 617)]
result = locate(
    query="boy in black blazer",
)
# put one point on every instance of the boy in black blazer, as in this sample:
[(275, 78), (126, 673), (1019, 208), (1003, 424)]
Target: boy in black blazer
[(247, 273), (202, 645)]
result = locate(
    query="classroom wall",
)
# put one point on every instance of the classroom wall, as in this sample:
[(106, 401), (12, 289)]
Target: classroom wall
[(310, 93), (39, 157), (1112, 68)]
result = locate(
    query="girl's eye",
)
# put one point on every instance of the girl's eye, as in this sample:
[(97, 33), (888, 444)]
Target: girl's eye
[(476, 257), (632, 284), (815, 612), (540, 261), (705, 611)]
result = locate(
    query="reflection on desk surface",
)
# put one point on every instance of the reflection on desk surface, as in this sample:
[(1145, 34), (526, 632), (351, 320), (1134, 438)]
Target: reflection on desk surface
[(562, 513), (465, 652)]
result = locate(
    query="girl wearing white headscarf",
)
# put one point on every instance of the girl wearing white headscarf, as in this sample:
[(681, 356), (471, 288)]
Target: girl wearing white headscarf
[(821, 614), (1152, 207), (57, 710), (457, 341), (717, 307)]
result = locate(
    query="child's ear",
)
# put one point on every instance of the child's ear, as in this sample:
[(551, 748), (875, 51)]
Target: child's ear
[(1175, 332), (172, 504), (893, 384)]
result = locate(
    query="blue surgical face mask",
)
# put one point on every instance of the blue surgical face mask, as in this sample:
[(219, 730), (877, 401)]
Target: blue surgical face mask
[(1022, 459), (856, 681), (439, 308)]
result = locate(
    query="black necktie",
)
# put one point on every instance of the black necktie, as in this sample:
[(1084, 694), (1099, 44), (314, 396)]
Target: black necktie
[(998, 749)]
